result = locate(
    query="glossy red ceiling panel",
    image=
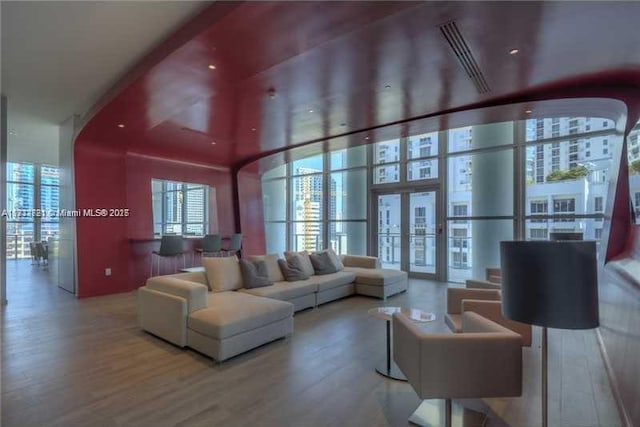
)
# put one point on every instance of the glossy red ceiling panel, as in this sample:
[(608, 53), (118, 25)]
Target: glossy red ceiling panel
[(287, 73)]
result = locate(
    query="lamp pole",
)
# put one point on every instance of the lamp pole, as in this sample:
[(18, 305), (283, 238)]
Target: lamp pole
[(545, 378)]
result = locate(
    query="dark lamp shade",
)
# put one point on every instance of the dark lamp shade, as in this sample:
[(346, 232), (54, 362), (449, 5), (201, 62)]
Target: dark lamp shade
[(551, 284)]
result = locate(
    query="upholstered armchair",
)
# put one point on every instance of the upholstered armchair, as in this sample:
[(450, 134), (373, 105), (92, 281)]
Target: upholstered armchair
[(485, 360), (482, 284), (480, 297), (455, 298)]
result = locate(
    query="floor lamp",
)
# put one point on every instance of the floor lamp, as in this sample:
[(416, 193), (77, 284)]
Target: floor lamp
[(550, 284)]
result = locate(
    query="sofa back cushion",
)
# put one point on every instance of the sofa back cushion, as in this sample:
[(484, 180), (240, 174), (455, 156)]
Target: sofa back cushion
[(223, 273), (360, 261), (271, 261), (322, 263), (254, 274), (305, 262), (292, 269)]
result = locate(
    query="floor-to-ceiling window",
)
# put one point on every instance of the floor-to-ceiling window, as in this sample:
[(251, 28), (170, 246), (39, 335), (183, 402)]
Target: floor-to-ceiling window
[(318, 202), (633, 154), (33, 193), (439, 203), (406, 197), (567, 175), (49, 202), (348, 203), (480, 191)]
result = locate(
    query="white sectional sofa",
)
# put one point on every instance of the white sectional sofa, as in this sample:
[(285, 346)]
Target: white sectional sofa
[(213, 313)]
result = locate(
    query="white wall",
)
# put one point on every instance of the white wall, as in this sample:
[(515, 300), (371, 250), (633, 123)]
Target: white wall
[(32, 140), (66, 255)]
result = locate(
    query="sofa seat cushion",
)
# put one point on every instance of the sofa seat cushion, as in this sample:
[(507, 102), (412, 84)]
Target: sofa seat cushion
[(333, 280), (377, 276), (285, 290), (232, 313)]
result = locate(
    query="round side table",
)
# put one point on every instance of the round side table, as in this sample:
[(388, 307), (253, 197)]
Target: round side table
[(390, 370)]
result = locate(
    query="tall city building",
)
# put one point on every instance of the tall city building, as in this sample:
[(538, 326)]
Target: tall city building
[(31, 187), (308, 208)]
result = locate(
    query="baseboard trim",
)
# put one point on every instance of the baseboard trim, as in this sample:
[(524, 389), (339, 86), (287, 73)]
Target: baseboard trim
[(622, 411)]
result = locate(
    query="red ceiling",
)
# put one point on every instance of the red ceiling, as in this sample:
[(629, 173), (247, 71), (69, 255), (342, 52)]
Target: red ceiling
[(345, 67)]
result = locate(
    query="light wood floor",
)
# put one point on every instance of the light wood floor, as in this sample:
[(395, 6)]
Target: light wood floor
[(69, 362)]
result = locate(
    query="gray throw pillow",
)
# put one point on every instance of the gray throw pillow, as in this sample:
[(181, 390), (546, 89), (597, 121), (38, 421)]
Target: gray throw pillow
[(292, 270), (254, 274), (305, 262), (334, 258), (322, 263)]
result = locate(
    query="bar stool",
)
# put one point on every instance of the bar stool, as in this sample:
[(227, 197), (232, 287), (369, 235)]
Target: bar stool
[(211, 245), (42, 249), (34, 253), (235, 245), (170, 247)]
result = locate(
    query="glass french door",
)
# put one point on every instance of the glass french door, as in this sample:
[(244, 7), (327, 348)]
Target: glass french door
[(408, 230)]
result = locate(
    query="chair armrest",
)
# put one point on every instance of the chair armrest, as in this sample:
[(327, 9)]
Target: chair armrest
[(194, 293), (360, 261), (197, 277), (406, 346), (493, 274), (492, 310), (481, 284), (456, 295)]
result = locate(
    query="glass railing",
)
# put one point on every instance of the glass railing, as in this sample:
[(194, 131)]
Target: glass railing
[(422, 251)]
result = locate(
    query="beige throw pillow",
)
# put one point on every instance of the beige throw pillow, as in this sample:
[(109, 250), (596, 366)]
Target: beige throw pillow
[(223, 273), (273, 269), (305, 262)]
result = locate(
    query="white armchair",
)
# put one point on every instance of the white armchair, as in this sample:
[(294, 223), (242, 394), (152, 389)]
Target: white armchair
[(485, 360)]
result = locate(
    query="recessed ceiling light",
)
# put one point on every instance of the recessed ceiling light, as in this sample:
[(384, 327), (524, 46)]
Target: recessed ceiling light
[(253, 129), (120, 125), (213, 143), (12, 132), (387, 87), (528, 111), (513, 51), (212, 67), (366, 137), (311, 111)]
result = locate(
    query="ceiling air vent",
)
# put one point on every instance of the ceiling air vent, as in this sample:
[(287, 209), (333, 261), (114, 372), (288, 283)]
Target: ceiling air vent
[(460, 47)]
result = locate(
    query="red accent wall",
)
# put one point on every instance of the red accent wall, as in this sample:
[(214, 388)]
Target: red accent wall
[(140, 170), (251, 215), (108, 178), (101, 177)]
